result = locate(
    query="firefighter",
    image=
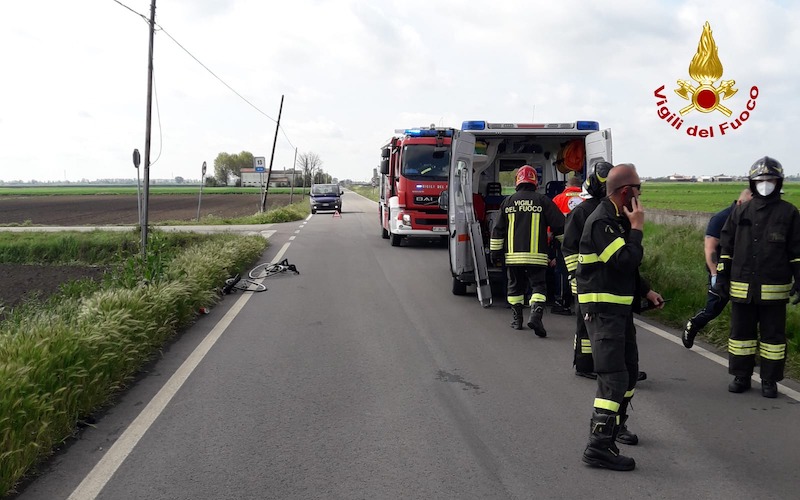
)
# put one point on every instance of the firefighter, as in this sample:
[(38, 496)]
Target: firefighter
[(594, 191), (714, 303), (760, 256), (610, 253), (520, 237), (566, 201)]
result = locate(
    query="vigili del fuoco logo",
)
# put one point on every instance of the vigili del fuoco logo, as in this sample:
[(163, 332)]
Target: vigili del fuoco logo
[(707, 96)]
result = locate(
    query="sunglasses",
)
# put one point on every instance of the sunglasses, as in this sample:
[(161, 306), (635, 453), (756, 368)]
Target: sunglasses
[(637, 186)]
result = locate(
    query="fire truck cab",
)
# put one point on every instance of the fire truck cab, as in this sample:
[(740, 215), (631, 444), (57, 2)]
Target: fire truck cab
[(481, 153), (414, 169)]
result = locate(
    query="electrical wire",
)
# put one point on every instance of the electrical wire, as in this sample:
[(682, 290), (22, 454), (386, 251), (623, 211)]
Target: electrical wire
[(158, 115)]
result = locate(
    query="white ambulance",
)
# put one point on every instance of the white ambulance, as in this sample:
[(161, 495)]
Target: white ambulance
[(481, 151)]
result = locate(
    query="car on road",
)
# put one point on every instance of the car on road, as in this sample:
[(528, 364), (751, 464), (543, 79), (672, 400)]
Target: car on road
[(325, 197)]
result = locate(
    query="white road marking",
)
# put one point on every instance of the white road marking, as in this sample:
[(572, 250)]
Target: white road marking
[(297, 232), (291, 238), (98, 477), (709, 355)]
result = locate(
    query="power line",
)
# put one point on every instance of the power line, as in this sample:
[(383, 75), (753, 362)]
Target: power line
[(138, 14)]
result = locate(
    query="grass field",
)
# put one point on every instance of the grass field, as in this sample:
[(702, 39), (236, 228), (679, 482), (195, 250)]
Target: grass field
[(131, 190)]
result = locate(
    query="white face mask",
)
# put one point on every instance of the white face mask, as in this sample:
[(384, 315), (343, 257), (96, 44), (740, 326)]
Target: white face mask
[(765, 188)]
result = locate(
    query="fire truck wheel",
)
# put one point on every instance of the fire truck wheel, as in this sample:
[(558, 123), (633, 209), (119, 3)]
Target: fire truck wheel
[(459, 288), (384, 233), (396, 240)]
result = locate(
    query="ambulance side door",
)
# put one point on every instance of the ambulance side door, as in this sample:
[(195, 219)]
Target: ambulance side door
[(598, 148), (463, 149)]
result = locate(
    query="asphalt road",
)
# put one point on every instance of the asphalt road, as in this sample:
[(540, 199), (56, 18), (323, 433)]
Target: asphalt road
[(364, 377)]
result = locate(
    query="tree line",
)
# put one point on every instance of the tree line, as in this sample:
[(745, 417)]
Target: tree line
[(228, 169)]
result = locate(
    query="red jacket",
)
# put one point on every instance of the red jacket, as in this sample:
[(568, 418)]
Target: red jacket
[(568, 199)]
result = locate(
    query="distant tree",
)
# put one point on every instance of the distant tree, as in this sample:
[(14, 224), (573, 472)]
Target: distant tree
[(310, 164), (222, 168), (178, 179), (228, 165)]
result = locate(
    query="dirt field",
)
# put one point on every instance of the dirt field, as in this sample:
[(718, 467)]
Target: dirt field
[(18, 282)]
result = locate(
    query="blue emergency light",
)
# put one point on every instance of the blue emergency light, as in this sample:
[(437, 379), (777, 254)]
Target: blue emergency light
[(473, 125), (584, 125), (415, 132)]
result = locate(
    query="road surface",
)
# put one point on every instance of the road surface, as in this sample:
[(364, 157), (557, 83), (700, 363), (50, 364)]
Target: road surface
[(364, 377)]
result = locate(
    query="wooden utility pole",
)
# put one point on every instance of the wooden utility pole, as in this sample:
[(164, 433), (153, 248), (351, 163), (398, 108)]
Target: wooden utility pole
[(272, 156), (146, 187), (294, 171)]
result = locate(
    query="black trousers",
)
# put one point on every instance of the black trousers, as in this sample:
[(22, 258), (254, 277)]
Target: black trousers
[(522, 279), (747, 321), (714, 307), (616, 360), (582, 358)]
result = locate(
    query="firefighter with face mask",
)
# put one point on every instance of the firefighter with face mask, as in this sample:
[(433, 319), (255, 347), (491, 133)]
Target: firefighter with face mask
[(610, 253), (520, 239), (759, 259)]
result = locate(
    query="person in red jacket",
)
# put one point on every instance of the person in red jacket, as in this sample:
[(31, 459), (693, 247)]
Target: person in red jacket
[(566, 200)]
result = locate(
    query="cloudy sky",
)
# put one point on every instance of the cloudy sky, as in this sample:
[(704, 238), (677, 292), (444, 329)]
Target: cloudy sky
[(74, 82)]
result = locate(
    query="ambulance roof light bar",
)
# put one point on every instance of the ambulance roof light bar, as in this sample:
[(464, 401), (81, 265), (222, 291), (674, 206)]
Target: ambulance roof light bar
[(425, 131), (483, 125)]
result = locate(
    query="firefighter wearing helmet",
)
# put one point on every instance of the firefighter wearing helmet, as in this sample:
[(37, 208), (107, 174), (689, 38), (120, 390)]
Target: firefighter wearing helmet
[(609, 286), (759, 269), (594, 190), (519, 239)]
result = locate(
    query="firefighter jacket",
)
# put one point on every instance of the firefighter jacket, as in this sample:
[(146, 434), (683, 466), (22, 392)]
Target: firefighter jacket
[(572, 235), (610, 253), (761, 250), (521, 229)]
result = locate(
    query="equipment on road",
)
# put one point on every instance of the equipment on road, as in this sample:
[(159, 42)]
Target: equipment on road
[(414, 168)]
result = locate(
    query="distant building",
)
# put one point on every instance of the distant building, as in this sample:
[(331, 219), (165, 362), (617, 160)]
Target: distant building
[(682, 178), (278, 178), (723, 178)]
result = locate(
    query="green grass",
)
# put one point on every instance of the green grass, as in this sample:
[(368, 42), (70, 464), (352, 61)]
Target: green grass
[(132, 190), (296, 211), (367, 192)]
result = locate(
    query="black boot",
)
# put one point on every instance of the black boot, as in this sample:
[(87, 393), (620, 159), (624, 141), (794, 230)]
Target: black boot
[(601, 450), (516, 310), (535, 320), (625, 436)]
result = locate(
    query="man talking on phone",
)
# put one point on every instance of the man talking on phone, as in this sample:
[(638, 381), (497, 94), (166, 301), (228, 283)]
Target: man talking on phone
[(610, 253)]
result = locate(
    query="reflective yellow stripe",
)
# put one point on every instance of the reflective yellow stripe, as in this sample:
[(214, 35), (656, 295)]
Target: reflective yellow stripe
[(723, 256), (586, 346), (527, 258), (574, 286), (775, 292), (742, 347), (739, 289), (534, 233), (611, 249), (560, 238), (510, 234), (629, 394), (515, 299), (495, 244), (606, 404), (720, 267), (588, 258), (795, 260), (775, 352), (585, 298), (537, 297)]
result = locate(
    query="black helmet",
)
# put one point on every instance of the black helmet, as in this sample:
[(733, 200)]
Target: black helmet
[(595, 183), (764, 169)]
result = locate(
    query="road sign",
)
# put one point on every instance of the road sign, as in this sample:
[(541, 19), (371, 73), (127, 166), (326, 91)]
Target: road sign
[(259, 163)]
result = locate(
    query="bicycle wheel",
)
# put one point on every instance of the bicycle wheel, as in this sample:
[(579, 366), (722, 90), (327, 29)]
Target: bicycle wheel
[(264, 270), (250, 286)]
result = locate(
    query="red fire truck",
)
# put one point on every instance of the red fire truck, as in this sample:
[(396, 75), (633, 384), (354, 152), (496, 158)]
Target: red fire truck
[(414, 168)]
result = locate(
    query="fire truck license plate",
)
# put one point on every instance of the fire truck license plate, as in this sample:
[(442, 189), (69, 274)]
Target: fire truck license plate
[(439, 229)]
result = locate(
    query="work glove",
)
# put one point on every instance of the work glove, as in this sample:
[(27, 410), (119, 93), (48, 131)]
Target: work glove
[(795, 293), (721, 287), (496, 257), (713, 280)]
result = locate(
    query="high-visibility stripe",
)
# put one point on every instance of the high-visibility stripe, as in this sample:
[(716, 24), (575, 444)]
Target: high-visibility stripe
[(574, 286), (537, 297), (535, 233), (588, 258), (527, 258), (776, 292), (610, 298), (495, 244), (795, 260), (510, 234), (611, 249), (629, 394), (606, 404), (515, 299), (742, 347), (586, 346), (774, 352), (739, 289)]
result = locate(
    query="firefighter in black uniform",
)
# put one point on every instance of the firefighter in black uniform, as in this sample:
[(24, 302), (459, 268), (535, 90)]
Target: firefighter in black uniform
[(595, 189), (520, 237), (760, 256), (608, 285)]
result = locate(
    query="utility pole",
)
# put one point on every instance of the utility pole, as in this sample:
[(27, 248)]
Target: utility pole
[(272, 156), (294, 171), (146, 187)]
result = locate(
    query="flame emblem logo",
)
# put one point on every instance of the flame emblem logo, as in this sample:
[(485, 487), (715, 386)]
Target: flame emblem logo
[(706, 69)]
